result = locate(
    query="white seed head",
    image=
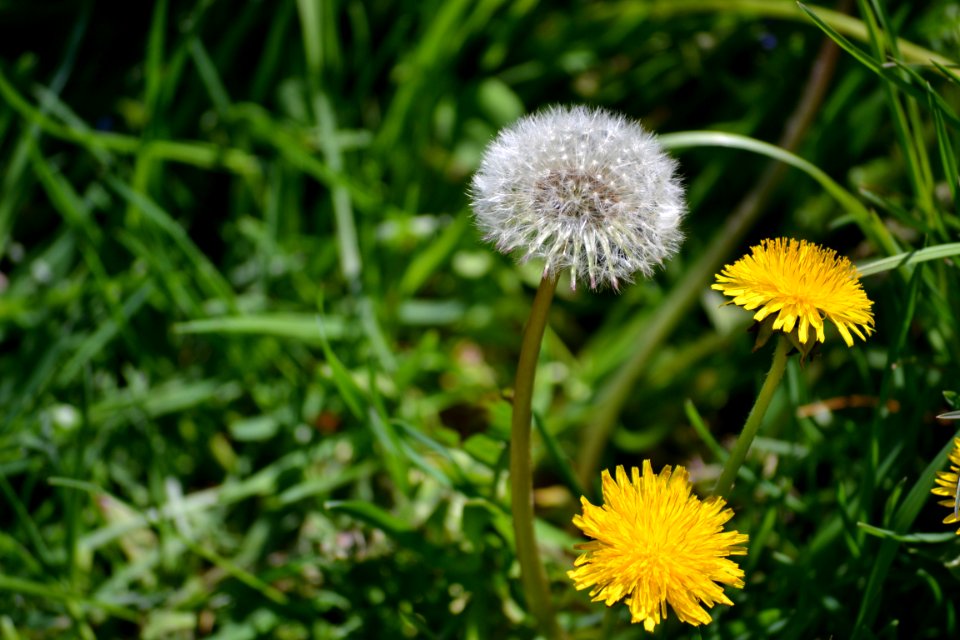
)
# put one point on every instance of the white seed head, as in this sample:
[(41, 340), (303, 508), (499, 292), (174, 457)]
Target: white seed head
[(581, 188)]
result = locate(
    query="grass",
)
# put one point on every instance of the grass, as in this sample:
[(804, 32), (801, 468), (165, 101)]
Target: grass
[(256, 355)]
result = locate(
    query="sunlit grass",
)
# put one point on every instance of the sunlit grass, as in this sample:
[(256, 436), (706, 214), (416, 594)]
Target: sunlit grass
[(256, 357)]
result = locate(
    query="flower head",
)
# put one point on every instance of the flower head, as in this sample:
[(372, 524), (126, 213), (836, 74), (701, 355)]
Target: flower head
[(948, 484), (656, 543), (581, 188), (802, 283)]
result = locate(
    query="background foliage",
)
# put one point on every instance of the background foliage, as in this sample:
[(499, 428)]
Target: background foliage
[(255, 354)]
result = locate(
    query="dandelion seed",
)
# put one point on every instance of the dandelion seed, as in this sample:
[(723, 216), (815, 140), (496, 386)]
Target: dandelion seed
[(656, 543), (948, 484), (583, 189), (803, 284)]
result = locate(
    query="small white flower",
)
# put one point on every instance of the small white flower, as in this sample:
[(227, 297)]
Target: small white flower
[(583, 189)]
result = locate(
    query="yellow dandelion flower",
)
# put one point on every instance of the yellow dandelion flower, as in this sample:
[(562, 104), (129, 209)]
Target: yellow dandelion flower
[(948, 484), (802, 283), (654, 543)]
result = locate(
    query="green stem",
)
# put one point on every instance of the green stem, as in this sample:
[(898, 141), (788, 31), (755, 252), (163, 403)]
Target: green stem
[(532, 574), (752, 425)]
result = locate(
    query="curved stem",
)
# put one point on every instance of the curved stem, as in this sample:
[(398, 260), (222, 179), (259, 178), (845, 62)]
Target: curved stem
[(752, 425), (532, 574)]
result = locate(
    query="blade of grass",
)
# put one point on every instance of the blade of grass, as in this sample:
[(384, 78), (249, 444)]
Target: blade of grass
[(878, 68), (209, 277), (77, 212), (294, 150), (367, 410), (432, 46), (199, 154), (42, 373), (560, 460), (696, 421), (180, 293), (153, 68), (868, 222), (170, 396), (350, 392), (313, 16), (51, 592), (948, 158), (871, 456), (917, 165), (390, 449), (782, 9), (96, 342), (325, 485), (17, 165), (275, 45), (401, 531), (457, 477), (30, 529), (909, 538), (426, 262), (297, 326), (883, 559), (263, 483), (229, 567), (909, 258), (8, 631), (210, 77)]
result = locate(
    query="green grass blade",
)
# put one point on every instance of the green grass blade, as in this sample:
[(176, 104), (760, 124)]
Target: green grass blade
[(560, 460), (213, 282), (16, 166), (231, 568), (296, 326), (350, 392), (778, 9), (398, 529), (210, 77), (153, 71), (199, 154), (868, 222), (45, 591), (918, 496), (948, 158), (937, 252), (909, 538), (719, 453), (427, 261), (389, 446)]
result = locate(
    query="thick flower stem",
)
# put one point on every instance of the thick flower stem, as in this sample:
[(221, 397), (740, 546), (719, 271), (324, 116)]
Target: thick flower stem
[(752, 425), (532, 574)]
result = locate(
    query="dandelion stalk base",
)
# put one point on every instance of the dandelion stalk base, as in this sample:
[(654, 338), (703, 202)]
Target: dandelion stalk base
[(752, 425), (532, 574)]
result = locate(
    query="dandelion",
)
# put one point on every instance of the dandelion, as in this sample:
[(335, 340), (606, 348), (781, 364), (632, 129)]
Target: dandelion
[(803, 283), (656, 543), (948, 484), (583, 189)]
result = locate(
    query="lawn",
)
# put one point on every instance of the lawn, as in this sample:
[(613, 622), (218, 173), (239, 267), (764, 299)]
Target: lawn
[(258, 356)]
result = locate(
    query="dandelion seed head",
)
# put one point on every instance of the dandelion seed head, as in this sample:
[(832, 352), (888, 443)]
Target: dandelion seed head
[(582, 189), (655, 543)]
